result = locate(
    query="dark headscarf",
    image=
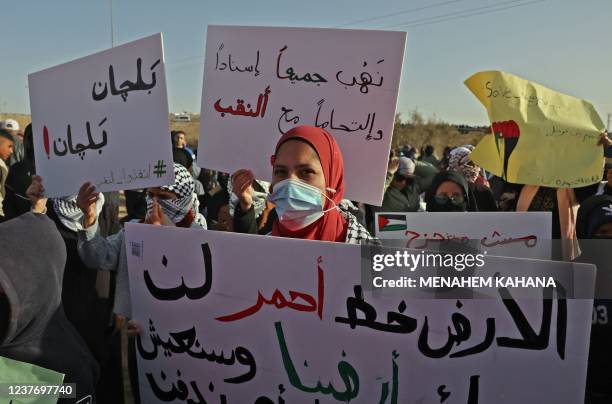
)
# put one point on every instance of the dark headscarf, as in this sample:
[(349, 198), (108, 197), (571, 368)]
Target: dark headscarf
[(31, 271), (593, 213), (458, 179)]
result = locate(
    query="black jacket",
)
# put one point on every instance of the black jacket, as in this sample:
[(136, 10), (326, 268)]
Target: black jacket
[(31, 274)]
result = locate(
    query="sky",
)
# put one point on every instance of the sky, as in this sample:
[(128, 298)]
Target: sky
[(562, 44)]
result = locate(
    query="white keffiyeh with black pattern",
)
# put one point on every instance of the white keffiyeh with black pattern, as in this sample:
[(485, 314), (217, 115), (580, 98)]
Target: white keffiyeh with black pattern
[(177, 209)]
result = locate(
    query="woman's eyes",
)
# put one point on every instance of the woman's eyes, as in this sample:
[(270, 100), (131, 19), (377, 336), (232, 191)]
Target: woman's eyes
[(303, 172), (280, 171), (307, 172)]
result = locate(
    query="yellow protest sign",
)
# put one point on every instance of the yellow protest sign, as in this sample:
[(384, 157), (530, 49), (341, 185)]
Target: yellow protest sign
[(539, 136)]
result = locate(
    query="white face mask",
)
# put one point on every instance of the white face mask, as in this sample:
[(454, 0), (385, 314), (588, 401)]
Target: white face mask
[(298, 204)]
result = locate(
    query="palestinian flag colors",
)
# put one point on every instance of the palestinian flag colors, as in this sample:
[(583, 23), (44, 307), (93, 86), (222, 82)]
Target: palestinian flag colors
[(508, 132), (392, 222)]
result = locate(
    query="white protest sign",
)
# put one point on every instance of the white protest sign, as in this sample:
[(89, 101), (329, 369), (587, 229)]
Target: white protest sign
[(284, 321), (517, 234), (259, 82), (103, 119)]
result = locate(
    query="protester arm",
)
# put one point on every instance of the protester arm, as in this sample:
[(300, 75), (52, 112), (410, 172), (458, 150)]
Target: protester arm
[(245, 222), (98, 252)]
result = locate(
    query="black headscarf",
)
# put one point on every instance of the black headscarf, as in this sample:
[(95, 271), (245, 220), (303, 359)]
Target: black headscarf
[(458, 179), (31, 271), (593, 213)]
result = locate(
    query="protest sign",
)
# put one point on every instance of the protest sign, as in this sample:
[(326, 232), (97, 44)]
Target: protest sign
[(16, 377), (287, 321), (259, 82), (514, 234), (103, 119), (538, 136)]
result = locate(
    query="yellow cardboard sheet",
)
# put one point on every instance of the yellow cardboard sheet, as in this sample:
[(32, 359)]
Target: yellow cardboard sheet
[(539, 136)]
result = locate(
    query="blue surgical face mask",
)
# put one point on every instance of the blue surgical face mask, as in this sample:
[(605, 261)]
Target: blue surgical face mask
[(298, 204)]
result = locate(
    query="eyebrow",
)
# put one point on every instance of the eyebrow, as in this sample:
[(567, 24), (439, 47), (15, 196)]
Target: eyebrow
[(298, 166)]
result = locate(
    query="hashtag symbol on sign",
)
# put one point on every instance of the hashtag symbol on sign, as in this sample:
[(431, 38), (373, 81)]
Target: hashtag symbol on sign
[(160, 168)]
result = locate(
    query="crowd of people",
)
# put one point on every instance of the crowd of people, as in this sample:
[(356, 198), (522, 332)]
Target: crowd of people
[(64, 295)]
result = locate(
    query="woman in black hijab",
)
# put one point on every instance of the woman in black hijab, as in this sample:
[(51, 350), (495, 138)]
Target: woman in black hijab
[(450, 192), (594, 229), (33, 324)]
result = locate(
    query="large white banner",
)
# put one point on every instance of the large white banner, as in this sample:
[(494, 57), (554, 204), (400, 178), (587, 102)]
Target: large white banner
[(259, 82), (103, 119), (514, 234), (231, 318)]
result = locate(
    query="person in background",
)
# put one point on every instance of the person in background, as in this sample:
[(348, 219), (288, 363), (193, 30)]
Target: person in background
[(403, 193), (563, 203), (19, 178), (450, 192), (594, 231), (445, 158), (405, 150), (179, 206), (86, 293), (183, 157), (205, 179), (605, 187), (173, 205), (6, 150), (261, 205), (135, 204), (412, 153), (33, 326), (306, 190), (370, 210), (224, 221), (460, 161), (12, 127), (428, 156), (180, 140), (216, 201), (424, 173)]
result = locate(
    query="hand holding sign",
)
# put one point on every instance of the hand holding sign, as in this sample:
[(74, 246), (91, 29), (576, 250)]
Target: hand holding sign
[(36, 194), (604, 140), (242, 181), (86, 201)]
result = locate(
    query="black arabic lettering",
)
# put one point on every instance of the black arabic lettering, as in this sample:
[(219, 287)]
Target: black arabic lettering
[(529, 339), (80, 148), (127, 85), (182, 290), (365, 80), (232, 67), (186, 342), (292, 76), (285, 118), (397, 322)]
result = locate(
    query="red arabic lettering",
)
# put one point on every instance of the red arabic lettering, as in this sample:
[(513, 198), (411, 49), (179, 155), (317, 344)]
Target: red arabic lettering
[(279, 301)]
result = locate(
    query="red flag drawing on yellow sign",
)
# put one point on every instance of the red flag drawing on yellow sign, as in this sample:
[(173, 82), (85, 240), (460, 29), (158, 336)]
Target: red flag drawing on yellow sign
[(539, 136)]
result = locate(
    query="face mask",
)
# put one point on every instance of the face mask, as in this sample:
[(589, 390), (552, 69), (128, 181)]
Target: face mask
[(297, 204)]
